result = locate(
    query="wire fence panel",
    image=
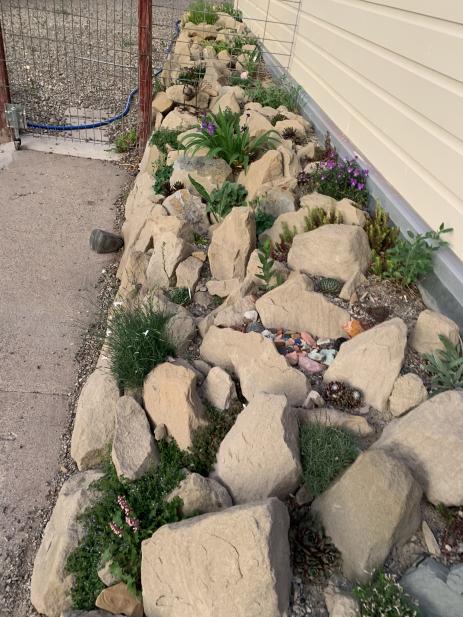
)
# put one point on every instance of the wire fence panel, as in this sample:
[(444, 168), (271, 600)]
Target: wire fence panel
[(74, 62)]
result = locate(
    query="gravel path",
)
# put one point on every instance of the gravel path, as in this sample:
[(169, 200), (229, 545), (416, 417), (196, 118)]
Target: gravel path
[(74, 60), (50, 297)]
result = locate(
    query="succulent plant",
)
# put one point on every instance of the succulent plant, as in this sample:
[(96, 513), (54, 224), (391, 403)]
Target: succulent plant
[(314, 555), (330, 286), (317, 217), (278, 118), (177, 186), (289, 133), (341, 394)]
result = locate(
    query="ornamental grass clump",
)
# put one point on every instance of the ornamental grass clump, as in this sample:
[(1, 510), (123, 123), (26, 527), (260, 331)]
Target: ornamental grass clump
[(384, 597), (221, 135), (123, 514), (325, 452), (202, 12), (137, 341), (338, 178)]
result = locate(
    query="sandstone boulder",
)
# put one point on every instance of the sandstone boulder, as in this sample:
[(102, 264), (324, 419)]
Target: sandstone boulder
[(168, 251), (326, 416), (341, 604), (408, 392), (429, 439), (179, 120), (133, 273), (428, 327), (51, 584), (211, 173), (188, 272), (371, 361), (95, 419), (256, 123), (294, 221), (256, 362), (267, 169), (336, 251), (219, 388), (181, 327), (162, 103), (226, 101), (373, 506), (170, 398), (276, 202), (232, 243), (118, 599), (295, 306), (222, 289), (207, 565), (188, 207), (259, 456), (201, 495), (134, 450)]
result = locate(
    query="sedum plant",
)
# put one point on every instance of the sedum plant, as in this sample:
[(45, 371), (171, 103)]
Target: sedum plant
[(408, 261), (221, 201), (384, 597), (445, 366), (222, 136)]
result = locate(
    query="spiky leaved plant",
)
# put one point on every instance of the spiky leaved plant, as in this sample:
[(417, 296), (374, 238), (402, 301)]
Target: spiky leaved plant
[(445, 366), (317, 217), (329, 286), (382, 236)]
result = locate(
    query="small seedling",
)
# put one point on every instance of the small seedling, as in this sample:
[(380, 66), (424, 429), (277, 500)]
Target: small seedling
[(267, 271)]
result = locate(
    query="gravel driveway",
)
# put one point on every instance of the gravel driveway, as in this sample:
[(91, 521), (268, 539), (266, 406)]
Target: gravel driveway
[(65, 55)]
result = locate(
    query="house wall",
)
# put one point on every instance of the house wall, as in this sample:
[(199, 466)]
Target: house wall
[(389, 75)]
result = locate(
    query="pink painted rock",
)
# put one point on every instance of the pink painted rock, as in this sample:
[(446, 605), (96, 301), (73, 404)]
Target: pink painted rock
[(292, 358), (307, 338), (308, 365)]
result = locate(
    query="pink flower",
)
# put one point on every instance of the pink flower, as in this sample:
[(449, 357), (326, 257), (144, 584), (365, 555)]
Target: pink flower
[(360, 186), (123, 505), (134, 523), (116, 529), (244, 75)]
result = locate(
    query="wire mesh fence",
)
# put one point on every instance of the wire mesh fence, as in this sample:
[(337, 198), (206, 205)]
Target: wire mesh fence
[(74, 62)]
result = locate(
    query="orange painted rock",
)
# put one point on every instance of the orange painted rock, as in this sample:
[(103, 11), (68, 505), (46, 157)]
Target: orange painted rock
[(353, 327)]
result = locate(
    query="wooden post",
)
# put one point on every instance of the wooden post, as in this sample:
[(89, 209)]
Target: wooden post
[(5, 133), (145, 77)]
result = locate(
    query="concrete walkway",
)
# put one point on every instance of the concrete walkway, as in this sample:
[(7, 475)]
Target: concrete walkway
[(48, 207)]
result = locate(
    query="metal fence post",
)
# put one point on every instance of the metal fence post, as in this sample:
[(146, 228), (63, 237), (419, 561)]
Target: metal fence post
[(5, 133), (145, 78)]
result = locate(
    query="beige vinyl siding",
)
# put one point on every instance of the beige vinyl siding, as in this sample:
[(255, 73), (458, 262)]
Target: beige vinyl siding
[(389, 74)]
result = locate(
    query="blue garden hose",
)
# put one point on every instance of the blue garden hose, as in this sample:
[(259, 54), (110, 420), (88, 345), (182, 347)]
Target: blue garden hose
[(95, 125)]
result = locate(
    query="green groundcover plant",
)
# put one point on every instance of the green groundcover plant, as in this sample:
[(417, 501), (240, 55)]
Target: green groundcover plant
[(325, 452), (165, 137), (137, 341), (126, 512), (123, 514), (221, 135), (384, 597), (274, 94)]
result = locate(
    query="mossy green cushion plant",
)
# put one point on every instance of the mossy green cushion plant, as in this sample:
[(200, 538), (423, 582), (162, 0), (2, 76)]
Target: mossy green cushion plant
[(123, 515), (165, 137), (202, 12), (325, 452), (384, 597), (137, 341), (221, 135)]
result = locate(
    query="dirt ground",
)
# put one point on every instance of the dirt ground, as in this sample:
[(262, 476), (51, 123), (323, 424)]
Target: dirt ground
[(48, 206)]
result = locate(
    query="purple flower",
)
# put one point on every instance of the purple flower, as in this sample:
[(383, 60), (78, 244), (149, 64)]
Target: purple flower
[(211, 128), (366, 172), (350, 169), (356, 173), (331, 164), (204, 123), (353, 182), (360, 186)]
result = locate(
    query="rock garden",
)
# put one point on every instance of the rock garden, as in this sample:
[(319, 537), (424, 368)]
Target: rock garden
[(275, 424)]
